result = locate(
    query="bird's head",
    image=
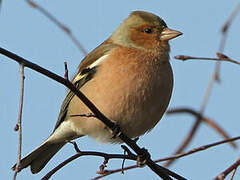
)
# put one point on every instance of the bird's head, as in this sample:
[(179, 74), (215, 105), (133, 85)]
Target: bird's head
[(143, 30)]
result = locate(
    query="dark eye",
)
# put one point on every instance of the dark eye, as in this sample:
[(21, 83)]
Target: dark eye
[(148, 30)]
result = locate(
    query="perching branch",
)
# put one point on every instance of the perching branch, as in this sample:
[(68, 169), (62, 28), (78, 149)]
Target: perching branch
[(159, 170), (88, 153)]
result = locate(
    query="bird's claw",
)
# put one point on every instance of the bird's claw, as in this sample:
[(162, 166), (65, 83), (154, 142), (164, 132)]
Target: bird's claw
[(143, 157)]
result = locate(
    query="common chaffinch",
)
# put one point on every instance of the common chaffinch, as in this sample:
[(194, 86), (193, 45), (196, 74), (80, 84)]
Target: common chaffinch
[(129, 79)]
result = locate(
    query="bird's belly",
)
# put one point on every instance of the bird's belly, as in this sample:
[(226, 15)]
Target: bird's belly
[(136, 104), (136, 114)]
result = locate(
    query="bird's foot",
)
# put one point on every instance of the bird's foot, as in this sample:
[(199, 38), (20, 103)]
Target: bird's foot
[(102, 167), (143, 157)]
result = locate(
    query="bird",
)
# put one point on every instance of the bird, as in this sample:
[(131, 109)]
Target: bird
[(128, 78)]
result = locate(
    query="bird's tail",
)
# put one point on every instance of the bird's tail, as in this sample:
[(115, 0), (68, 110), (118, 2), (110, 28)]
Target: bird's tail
[(40, 156)]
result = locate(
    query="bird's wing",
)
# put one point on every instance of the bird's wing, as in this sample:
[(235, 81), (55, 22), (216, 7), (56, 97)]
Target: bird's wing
[(87, 69)]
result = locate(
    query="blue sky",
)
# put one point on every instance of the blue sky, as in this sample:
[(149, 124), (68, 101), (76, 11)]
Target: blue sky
[(28, 33)]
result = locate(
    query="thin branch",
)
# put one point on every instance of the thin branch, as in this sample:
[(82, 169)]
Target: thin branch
[(59, 24), (189, 137), (75, 146), (66, 71), (186, 141), (19, 123), (162, 172), (227, 24), (201, 148), (180, 155), (208, 121), (228, 170), (88, 153), (125, 148), (185, 57), (224, 31), (233, 173)]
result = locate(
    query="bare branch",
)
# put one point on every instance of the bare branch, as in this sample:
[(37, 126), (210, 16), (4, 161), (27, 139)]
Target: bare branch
[(186, 57), (59, 24), (201, 148), (88, 153), (227, 24), (125, 148), (189, 137), (19, 123), (208, 121), (224, 31), (180, 155), (186, 141), (228, 170), (233, 173), (231, 18), (75, 146), (66, 71)]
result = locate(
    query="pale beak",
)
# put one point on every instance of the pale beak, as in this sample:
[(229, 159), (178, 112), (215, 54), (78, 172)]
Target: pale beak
[(168, 34)]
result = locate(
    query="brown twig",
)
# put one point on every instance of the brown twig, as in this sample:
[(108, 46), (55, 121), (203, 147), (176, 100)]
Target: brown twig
[(180, 155), (186, 141), (228, 170), (213, 79), (162, 172), (125, 148), (75, 146), (224, 31), (227, 24), (185, 57), (59, 24), (66, 71), (19, 123), (201, 148), (87, 153), (199, 118), (208, 121), (233, 173)]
